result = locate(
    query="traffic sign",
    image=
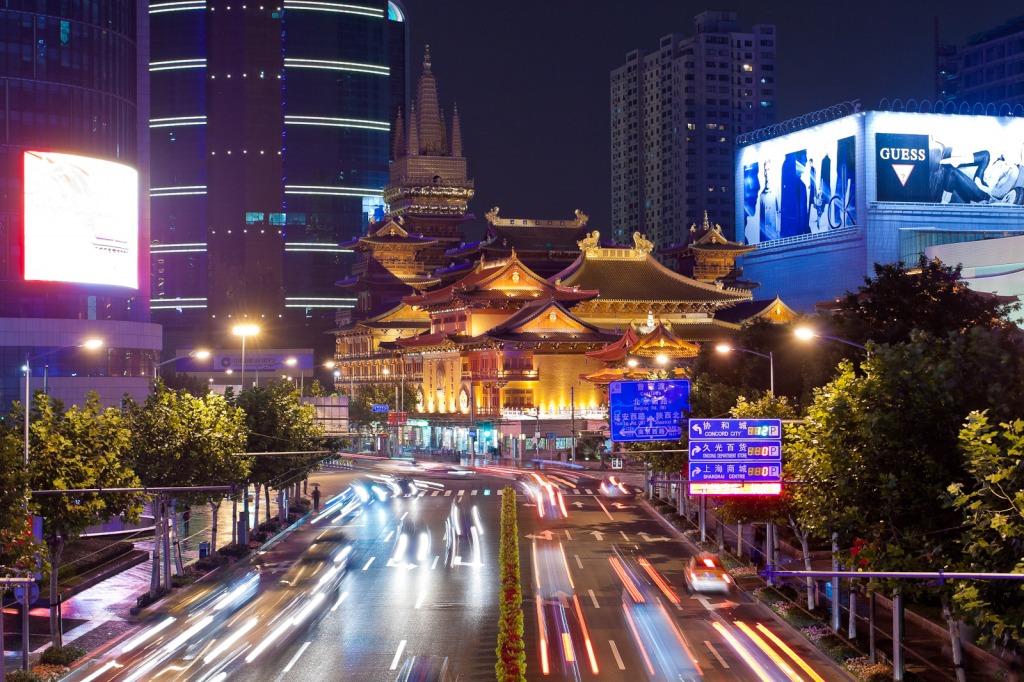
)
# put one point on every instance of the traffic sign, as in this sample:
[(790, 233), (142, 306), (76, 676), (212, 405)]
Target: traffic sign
[(732, 429), (379, 407), (648, 410), (741, 471), (33, 593), (762, 450), (398, 418)]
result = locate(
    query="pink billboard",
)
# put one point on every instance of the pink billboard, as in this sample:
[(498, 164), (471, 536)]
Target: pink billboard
[(81, 220)]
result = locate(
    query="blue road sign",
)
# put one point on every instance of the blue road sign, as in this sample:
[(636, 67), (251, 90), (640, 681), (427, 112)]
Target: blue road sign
[(735, 429), (739, 471), (715, 450), (379, 407), (648, 410)]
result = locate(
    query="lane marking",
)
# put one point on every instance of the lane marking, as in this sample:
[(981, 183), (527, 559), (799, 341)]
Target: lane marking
[(388, 536), (369, 562), (500, 492), (340, 599), (717, 655), (578, 562), (419, 600), (398, 655), (604, 508), (434, 565), (447, 493), (474, 491), (435, 493), (402, 517), (488, 492), (624, 536), (615, 653), (461, 492), (568, 537), (295, 658), (589, 491), (422, 494), (593, 598)]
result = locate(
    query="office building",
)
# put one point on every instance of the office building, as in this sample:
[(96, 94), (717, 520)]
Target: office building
[(271, 139), (675, 112), (73, 244), (987, 72)]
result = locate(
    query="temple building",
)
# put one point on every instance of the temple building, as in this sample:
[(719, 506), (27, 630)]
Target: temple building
[(428, 192), (545, 246)]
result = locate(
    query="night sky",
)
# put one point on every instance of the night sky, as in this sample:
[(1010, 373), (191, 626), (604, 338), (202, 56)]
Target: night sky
[(530, 77)]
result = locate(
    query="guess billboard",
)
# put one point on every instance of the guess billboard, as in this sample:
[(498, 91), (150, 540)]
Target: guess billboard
[(81, 220)]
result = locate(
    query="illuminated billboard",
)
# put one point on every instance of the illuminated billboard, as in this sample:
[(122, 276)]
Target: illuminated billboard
[(797, 184), (948, 159), (81, 220)]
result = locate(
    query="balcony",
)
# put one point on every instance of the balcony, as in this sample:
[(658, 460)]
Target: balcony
[(504, 375)]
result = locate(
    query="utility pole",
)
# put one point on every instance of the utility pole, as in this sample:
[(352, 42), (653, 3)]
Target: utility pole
[(572, 416)]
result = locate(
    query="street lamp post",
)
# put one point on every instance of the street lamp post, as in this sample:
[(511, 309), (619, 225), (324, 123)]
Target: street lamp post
[(200, 353), (725, 348), (245, 330), (806, 334), (90, 344)]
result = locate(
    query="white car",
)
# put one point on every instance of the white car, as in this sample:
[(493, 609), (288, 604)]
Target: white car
[(705, 573)]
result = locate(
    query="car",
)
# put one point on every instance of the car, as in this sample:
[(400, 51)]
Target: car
[(403, 487), (462, 536), (327, 546), (425, 669), (705, 573), (613, 487), (411, 545)]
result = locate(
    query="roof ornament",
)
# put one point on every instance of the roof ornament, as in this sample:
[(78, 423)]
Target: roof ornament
[(492, 215), (590, 244), (581, 218), (641, 243)]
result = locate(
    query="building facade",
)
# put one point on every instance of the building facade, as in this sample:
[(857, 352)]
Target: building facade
[(74, 230), (271, 138), (988, 70), (675, 112), (825, 203)]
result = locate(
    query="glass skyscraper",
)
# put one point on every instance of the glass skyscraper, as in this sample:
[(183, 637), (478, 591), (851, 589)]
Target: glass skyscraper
[(271, 137)]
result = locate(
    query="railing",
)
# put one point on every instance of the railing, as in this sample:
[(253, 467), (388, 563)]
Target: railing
[(504, 375)]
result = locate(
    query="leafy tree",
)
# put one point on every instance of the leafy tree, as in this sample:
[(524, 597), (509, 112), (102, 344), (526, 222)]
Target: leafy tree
[(992, 502), (179, 439), (80, 448), (931, 298), (361, 416), (183, 381), (18, 547), (276, 420)]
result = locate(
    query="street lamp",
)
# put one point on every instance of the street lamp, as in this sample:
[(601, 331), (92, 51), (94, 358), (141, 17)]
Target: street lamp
[(88, 344), (244, 330), (806, 334), (726, 348), (200, 353)]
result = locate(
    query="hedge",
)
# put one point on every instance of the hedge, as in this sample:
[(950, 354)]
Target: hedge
[(511, 650)]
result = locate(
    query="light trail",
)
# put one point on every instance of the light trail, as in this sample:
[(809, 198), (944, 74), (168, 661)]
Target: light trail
[(763, 646), (586, 635), (398, 655), (789, 652), (659, 581), (742, 652), (626, 580), (227, 643)]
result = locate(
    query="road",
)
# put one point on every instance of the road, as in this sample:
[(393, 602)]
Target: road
[(609, 575)]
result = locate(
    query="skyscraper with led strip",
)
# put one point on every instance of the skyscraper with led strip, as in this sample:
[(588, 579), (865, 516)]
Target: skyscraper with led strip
[(270, 133)]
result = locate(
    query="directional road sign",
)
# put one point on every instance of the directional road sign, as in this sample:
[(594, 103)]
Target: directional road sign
[(379, 407), (734, 429), (741, 471), (734, 451), (648, 410)]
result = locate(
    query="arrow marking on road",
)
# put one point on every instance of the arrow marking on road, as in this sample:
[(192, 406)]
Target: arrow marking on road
[(713, 607), (579, 505), (598, 534), (619, 505), (648, 538), (546, 535)]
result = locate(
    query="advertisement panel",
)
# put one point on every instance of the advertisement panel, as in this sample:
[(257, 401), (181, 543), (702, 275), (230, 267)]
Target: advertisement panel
[(81, 220), (948, 159), (801, 183)]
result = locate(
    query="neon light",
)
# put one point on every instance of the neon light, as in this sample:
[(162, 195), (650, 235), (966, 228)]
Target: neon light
[(157, 247), (164, 7), (355, 67), (177, 121), (177, 191), (382, 126), (332, 191), (735, 488), (334, 7), (163, 251), (176, 64)]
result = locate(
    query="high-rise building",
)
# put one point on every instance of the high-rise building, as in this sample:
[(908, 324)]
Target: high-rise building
[(271, 136), (991, 66), (74, 261), (675, 113)]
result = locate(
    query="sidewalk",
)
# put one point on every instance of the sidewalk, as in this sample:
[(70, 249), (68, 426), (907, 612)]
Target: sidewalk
[(926, 644), (101, 613)]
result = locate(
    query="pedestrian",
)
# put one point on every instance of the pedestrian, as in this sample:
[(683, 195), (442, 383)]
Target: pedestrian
[(185, 518), (316, 499)]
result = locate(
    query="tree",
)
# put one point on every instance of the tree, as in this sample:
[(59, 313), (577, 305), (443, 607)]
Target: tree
[(80, 448), (277, 421), (931, 298), (18, 547), (180, 439), (992, 502)]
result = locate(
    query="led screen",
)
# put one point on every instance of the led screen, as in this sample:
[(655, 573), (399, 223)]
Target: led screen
[(81, 220), (797, 184), (948, 159)]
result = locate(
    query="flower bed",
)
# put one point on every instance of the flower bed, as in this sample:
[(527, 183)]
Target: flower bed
[(511, 649)]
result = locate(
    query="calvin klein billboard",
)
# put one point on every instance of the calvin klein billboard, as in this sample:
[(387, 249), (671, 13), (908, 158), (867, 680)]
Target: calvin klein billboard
[(946, 159), (798, 184)]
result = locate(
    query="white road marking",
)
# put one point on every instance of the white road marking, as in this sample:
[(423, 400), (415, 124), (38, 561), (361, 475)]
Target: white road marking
[(295, 658), (474, 491), (388, 536), (340, 599), (403, 516), (615, 653), (434, 565), (500, 492), (369, 562), (589, 491), (593, 598), (604, 508), (567, 536), (435, 493), (447, 493), (717, 655), (624, 536), (578, 562), (398, 655), (423, 595), (423, 494)]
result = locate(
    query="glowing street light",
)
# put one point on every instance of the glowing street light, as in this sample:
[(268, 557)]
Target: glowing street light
[(88, 344), (661, 359), (726, 348), (244, 330), (806, 334), (200, 353)]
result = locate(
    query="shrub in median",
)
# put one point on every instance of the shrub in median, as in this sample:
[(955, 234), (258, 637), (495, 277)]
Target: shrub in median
[(511, 650), (67, 655)]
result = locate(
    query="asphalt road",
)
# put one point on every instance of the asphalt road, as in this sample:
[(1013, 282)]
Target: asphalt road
[(603, 598)]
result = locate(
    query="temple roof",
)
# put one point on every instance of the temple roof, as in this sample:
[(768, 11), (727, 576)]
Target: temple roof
[(500, 281), (631, 274), (661, 341), (391, 316), (614, 352), (524, 234), (771, 309), (548, 320)]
